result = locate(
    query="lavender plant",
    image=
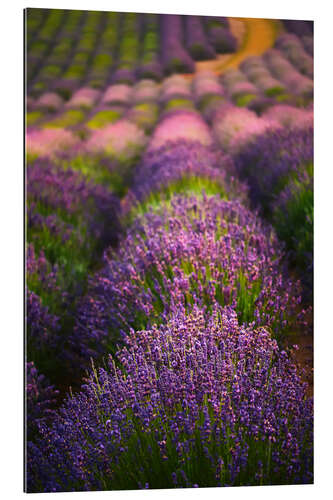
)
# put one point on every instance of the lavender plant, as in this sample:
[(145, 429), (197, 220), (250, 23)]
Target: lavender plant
[(40, 400), (70, 219), (189, 250), (197, 402), (267, 162), (184, 167)]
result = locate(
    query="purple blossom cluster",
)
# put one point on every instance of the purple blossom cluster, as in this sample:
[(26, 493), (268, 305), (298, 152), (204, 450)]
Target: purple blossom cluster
[(190, 249), (175, 86), (180, 124), (283, 70), (161, 170), (197, 402), (237, 84), (289, 116), (175, 58), (42, 325), (219, 34), (300, 28), (267, 162), (49, 101), (85, 98), (206, 84), (196, 40), (235, 127), (121, 140), (117, 94), (49, 142), (292, 47), (40, 400), (255, 69), (145, 90), (63, 200)]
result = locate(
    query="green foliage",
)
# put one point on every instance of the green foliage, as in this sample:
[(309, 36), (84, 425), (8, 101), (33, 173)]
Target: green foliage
[(67, 119), (93, 168), (294, 220), (32, 117), (186, 186), (103, 118), (179, 103), (275, 91), (244, 100), (210, 100)]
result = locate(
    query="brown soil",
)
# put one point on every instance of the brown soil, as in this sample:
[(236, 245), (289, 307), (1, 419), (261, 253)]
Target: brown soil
[(254, 37)]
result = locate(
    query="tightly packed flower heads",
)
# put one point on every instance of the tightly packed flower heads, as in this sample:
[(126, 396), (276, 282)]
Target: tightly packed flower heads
[(49, 142), (68, 195), (118, 93), (289, 116), (145, 90), (189, 250), (49, 101), (184, 166), (181, 125), (41, 399), (122, 140), (199, 401), (267, 162), (85, 97), (234, 127)]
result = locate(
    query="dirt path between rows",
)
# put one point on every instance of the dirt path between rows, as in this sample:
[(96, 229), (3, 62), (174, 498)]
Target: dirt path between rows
[(254, 37)]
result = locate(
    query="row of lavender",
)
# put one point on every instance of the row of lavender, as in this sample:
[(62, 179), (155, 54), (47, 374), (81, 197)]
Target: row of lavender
[(68, 48), (280, 184), (200, 394), (280, 76), (134, 111)]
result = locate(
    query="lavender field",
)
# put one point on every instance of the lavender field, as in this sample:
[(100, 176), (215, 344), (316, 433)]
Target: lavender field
[(169, 251)]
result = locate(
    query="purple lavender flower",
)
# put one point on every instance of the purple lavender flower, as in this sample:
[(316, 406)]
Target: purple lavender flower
[(75, 200), (122, 140), (124, 76), (300, 28), (175, 86), (49, 142), (235, 127), (84, 98), (256, 70), (145, 90), (220, 35), (283, 70), (267, 162), (206, 84), (117, 94), (181, 166), (49, 101), (187, 250), (289, 116), (40, 398), (199, 401), (181, 125), (292, 47), (174, 56), (196, 41)]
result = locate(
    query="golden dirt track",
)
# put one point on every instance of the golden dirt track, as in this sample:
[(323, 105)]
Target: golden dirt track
[(254, 36)]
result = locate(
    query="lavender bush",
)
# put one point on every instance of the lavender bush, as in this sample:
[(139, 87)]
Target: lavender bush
[(174, 56), (40, 399), (181, 124), (197, 402), (188, 250), (182, 167)]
